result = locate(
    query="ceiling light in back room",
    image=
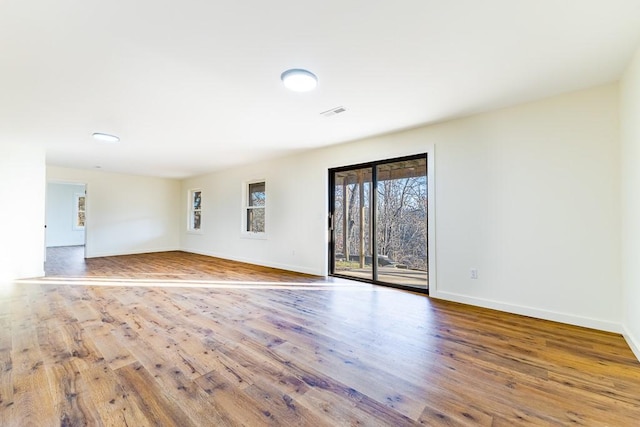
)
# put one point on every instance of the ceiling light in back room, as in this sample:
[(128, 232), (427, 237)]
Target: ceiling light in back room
[(299, 80), (105, 137)]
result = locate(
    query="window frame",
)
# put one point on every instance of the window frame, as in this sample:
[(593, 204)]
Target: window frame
[(429, 153), (246, 207), (77, 210), (191, 211)]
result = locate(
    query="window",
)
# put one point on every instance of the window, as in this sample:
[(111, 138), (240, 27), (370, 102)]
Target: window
[(79, 211), (255, 207), (195, 210)]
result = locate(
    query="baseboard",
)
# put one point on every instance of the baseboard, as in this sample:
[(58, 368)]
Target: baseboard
[(36, 273), (633, 342), (131, 252), (570, 319), (296, 268)]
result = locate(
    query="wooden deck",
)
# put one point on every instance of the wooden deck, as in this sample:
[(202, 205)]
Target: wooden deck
[(214, 344)]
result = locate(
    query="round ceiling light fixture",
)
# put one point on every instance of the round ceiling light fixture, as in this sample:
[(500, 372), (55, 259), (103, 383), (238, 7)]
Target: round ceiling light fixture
[(105, 137), (299, 80)]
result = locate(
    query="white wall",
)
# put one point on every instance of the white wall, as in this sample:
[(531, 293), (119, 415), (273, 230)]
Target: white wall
[(530, 195), (60, 215), (22, 192), (630, 136), (295, 215), (125, 213), (527, 195)]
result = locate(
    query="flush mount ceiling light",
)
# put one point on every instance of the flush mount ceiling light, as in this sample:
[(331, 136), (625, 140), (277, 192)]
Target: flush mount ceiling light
[(105, 137), (299, 80)]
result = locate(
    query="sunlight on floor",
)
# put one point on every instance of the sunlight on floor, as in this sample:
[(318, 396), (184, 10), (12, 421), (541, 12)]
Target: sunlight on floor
[(123, 282)]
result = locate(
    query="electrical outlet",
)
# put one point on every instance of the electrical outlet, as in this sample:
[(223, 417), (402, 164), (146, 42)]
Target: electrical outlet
[(474, 273)]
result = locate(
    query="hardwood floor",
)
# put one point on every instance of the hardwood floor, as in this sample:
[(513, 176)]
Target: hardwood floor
[(290, 351), (69, 261)]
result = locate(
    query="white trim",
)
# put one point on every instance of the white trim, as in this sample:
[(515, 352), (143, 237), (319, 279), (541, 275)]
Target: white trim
[(76, 211), (633, 343), (431, 216), (571, 319), (190, 210), (86, 216), (132, 252), (258, 262), (245, 207), (10, 280), (251, 235)]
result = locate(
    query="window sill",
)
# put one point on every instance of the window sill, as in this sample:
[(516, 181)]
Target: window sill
[(254, 236)]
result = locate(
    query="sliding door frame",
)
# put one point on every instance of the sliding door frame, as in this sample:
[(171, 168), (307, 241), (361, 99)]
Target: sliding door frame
[(428, 156)]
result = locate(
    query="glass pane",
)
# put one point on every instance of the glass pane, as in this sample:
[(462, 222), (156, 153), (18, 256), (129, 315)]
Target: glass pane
[(401, 223), (197, 200), (196, 220), (80, 211), (257, 195), (352, 224), (255, 220)]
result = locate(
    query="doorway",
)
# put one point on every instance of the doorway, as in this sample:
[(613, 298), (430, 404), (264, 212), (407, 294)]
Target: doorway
[(65, 219), (381, 208)]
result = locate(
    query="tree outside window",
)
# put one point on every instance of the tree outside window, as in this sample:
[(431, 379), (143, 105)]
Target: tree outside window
[(255, 207), (79, 210), (195, 210)]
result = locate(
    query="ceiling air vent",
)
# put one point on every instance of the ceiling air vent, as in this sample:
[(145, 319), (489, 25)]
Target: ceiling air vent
[(333, 111)]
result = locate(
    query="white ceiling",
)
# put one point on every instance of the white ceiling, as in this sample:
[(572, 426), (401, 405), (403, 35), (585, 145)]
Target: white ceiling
[(193, 86)]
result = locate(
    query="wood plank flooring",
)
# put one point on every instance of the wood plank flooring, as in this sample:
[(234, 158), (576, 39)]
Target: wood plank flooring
[(299, 351), (69, 261)]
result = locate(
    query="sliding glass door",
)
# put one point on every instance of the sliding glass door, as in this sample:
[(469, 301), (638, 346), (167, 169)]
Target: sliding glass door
[(380, 208), (352, 223), (401, 222)]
